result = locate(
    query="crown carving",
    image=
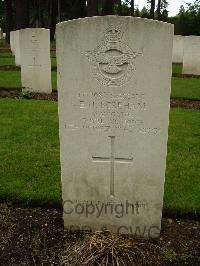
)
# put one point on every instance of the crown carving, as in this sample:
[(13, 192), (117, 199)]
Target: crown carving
[(113, 35)]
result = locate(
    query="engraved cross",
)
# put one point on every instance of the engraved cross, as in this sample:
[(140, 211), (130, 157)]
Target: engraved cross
[(34, 63), (112, 160)]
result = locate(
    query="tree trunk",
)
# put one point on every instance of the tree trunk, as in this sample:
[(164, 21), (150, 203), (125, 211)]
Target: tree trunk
[(92, 8), (36, 10), (53, 16), (152, 9), (108, 7), (41, 11), (22, 14), (9, 19), (132, 8), (119, 8), (59, 11), (158, 9), (81, 8)]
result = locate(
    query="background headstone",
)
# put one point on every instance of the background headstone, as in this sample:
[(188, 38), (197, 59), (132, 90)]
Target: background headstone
[(17, 48), (12, 40), (191, 55), (35, 60), (114, 97), (178, 43)]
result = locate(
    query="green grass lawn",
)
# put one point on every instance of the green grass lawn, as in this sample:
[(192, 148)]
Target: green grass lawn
[(12, 80), (182, 185), (188, 88), (177, 68), (8, 59), (6, 54), (53, 62), (29, 149), (29, 155)]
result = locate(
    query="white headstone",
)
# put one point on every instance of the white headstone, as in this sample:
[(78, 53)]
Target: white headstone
[(178, 43), (191, 55), (17, 48), (35, 60), (114, 98), (12, 40)]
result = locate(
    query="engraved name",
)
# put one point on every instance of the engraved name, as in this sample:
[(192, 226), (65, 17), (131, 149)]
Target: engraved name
[(107, 111)]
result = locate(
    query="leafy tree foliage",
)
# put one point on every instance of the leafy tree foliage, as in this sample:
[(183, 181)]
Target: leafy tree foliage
[(2, 16), (8, 18), (92, 8), (187, 22), (17, 14), (152, 9), (162, 13)]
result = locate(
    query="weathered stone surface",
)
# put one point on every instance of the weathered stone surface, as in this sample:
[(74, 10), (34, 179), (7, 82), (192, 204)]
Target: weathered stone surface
[(191, 55), (35, 60), (114, 79), (178, 44)]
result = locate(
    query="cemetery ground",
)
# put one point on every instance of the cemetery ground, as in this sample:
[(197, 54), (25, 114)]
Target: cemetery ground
[(30, 177), (31, 227)]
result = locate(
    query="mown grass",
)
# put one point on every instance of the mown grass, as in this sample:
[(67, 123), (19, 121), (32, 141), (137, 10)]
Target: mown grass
[(6, 59), (182, 185), (12, 80), (188, 88), (6, 54), (29, 155), (9, 59), (177, 68), (29, 169)]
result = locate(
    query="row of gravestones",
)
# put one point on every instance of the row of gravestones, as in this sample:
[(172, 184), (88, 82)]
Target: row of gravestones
[(186, 50), (31, 48), (114, 80)]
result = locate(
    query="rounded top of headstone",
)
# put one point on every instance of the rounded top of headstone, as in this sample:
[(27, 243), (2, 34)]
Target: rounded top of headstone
[(34, 29), (192, 36), (114, 18)]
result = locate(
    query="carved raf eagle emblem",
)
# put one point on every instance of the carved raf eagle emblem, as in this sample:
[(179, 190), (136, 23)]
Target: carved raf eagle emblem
[(113, 62)]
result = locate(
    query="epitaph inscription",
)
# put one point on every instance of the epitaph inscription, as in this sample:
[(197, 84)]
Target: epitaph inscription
[(113, 61), (107, 112)]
